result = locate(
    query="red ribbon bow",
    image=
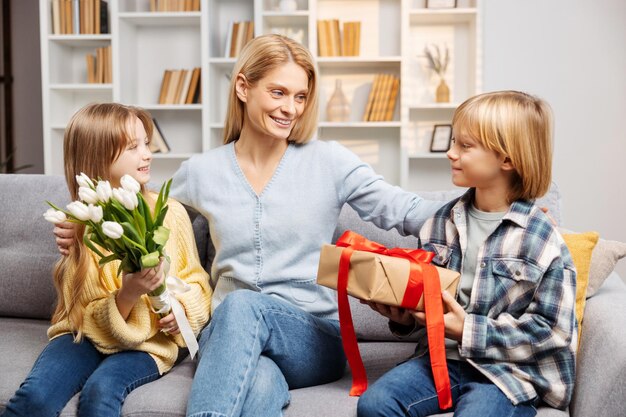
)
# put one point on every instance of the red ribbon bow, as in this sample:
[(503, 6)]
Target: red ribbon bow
[(423, 279)]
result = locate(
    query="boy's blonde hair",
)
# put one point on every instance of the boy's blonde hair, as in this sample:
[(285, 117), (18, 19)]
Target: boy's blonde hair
[(259, 57), (515, 125), (95, 137)]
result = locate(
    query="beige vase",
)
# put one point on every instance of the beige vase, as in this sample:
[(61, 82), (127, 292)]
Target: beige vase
[(442, 95), (338, 107)]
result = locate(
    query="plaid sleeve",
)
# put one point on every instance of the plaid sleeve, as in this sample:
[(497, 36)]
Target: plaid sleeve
[(546, 326)]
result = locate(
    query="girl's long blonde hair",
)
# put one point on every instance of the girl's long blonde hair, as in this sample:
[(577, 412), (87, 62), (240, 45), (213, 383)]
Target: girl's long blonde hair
[(94, 138), (260, 56)]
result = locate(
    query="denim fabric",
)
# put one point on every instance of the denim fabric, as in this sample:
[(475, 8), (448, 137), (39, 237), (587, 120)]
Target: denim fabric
[(408, 390), (255, 349), (64, 368)]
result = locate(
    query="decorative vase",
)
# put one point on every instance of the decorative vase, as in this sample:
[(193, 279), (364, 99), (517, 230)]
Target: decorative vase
[(287, 5), (442, 95), (338, 107)]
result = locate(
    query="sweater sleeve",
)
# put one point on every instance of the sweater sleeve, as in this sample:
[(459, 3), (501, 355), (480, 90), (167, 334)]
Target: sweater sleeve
[(376, 200), (103, 324), (186, 266)]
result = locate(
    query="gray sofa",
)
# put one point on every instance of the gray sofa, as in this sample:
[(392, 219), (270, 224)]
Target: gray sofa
[(27, 253)]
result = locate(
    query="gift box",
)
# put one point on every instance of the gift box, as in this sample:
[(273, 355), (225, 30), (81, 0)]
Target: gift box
[(375, 277), (399, 277)]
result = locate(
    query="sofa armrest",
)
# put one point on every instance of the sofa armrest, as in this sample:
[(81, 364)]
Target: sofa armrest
[(600, 389)]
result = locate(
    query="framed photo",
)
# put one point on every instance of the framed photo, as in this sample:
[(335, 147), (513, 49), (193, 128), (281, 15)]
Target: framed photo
[(440, 4), (442, 136)]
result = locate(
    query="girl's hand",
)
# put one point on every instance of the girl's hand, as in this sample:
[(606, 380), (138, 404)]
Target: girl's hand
[(398, 314), (135, 284), (64, 235), (453, 320), (169, 325)]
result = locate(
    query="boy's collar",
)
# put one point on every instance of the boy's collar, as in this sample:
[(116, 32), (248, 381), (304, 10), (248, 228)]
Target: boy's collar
[(517, 213)]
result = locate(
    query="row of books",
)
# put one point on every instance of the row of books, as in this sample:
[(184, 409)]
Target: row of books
[(99, 68), (158, 144), (239, 34), (80, 17), (180, 86), (331, 42), (174, 5), (381, 101)]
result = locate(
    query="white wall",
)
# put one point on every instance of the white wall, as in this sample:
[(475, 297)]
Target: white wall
[(572, 53)]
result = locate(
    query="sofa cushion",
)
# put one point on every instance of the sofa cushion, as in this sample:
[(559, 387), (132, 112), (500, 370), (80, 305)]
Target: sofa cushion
[(27, 248)]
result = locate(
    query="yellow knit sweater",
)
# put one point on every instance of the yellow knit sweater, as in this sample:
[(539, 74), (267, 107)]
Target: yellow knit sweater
[(109, 332)]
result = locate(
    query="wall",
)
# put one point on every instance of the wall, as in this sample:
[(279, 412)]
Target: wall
[(571, 53), (27, 123)]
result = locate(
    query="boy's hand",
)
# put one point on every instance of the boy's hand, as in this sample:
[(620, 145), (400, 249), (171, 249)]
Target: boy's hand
[(453, 320), (64, 235), (169, 325), (398, 314)]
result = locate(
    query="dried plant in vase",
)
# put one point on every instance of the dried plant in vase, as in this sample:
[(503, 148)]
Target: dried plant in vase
[(439, 64)]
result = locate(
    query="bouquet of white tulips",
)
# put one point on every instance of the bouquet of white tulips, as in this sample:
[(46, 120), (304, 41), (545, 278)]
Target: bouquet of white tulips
[(119, 221)]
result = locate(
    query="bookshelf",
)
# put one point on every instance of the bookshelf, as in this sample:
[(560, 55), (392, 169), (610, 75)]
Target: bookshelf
[(393, 34)]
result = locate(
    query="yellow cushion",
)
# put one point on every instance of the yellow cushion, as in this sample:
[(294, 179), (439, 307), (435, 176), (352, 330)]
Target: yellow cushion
[(581, 247)]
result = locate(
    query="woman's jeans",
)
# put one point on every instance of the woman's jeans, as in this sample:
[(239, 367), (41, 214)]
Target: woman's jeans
[(65, 367), (408, 390), (255, 349)]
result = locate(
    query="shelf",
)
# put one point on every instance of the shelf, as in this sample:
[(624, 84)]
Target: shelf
[(298, 18), (222, 62), (172, 155), (433, 155), (351, 61), (183, 107), (161, 18), (359, 125), (435, 106), (81, 40), (81, 87), (442, 16)]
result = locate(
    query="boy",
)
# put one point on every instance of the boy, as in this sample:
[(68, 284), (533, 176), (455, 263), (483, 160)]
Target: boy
[(511, 330)]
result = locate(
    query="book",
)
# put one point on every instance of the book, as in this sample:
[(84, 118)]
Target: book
[(56, 17), (158, 144), (172, 87), (321, 39), (193, 86), (164, 86), (183, 87), (391, 103), (370, 98), (233, 40), (91, 68)]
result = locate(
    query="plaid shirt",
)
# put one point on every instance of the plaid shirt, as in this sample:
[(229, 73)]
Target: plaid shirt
[(520, 327)]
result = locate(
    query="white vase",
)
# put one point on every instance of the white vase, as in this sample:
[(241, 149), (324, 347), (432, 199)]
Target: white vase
[(288, 5), (338, 107)]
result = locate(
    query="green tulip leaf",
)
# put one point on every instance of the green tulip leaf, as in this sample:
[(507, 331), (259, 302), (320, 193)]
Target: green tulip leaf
[(161, 234)]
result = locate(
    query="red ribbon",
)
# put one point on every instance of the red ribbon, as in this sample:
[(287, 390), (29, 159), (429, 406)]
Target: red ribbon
[(423, 279)]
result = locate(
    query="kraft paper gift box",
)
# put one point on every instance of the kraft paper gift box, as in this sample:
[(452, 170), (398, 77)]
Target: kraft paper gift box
[(375, 277)]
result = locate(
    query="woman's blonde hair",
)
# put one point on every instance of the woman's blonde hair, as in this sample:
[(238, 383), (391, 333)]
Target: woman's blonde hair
[(94, 138), (259, 57), (515, 125)]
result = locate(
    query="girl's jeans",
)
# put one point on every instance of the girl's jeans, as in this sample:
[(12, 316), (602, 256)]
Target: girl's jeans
[(408, 390), (255, 349), (65, 368)]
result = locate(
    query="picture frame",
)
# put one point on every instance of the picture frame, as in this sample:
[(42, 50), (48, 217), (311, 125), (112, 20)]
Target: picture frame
[(441, 139), (441, 4)]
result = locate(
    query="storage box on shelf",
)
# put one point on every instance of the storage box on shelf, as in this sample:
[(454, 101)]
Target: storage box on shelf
[(393, 34)]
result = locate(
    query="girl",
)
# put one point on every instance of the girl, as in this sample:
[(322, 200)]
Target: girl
[(104, 339), (511, 328)]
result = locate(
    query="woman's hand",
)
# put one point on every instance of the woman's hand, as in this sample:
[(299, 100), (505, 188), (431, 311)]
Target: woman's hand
[(397, 314), (64, 235), (169, 325), (453, 320), (135, 284)]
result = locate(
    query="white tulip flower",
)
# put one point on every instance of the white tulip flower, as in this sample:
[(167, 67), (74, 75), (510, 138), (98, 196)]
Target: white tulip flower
[(113, 230), (96, 213), (130, 184), (126, 198), (104, 191), (79, 210), (84, 181), (54, 216), (88, 195)]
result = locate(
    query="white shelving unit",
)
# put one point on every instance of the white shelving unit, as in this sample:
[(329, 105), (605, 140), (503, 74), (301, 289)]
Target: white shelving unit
[(393, 36)]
